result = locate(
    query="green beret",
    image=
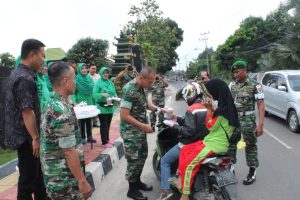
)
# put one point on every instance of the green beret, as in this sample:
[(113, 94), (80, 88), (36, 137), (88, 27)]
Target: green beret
[(240, 64)]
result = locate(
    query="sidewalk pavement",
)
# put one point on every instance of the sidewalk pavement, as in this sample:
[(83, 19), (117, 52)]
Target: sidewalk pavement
[(99, 161)]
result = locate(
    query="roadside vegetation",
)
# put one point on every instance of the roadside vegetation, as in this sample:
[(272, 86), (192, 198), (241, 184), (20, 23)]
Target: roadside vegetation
[(266, 44)]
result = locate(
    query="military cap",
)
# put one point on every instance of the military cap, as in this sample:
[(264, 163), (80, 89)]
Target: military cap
[(240, 64)]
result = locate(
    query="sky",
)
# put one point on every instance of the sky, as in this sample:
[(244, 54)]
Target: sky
[(61, 23)]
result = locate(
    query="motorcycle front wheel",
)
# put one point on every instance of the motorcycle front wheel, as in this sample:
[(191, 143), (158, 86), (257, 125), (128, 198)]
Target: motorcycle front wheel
[(156, 164)]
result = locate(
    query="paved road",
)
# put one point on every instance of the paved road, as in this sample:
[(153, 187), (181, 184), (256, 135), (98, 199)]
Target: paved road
[(277, 176)]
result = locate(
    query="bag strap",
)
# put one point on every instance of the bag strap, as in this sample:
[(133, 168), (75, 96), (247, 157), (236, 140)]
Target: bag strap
[(225, 132)]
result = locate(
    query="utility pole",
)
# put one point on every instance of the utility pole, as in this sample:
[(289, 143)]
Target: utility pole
[(206, 49)]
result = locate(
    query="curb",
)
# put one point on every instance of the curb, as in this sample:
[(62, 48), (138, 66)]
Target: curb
[(104, 163), (8, 168)]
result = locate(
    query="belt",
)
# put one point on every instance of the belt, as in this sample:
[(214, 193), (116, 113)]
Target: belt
[(245, 113)]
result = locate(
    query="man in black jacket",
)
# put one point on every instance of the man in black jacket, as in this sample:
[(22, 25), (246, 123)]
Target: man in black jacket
[(190, 128)]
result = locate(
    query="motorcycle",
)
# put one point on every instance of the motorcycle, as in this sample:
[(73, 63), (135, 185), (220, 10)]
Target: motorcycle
[(215, 179)]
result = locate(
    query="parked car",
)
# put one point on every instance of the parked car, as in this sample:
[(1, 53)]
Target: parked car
[(282, 95)]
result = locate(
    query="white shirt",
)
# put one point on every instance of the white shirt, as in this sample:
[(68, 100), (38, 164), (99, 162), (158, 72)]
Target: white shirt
[(95, 77)]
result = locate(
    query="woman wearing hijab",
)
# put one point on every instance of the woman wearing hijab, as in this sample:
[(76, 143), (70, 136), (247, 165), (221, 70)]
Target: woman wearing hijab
[(41, 84), (103, 89), (220, 121), (46, 77), (84, 92)]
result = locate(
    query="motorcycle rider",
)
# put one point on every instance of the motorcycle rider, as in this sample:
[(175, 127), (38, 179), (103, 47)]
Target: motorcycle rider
[(190, 128), (221, 122)]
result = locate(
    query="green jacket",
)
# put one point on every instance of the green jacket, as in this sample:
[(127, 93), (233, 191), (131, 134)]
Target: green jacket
[(217, 140), (42, 90), (104, 86)]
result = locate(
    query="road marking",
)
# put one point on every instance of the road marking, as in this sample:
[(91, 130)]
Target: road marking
[(277, 139)]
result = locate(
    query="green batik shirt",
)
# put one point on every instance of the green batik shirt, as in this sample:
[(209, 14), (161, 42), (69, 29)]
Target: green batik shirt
[(59, 130), (158, 92), (134, 99)]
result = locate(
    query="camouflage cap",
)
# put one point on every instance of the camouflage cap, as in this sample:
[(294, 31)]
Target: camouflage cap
[(240, 64)]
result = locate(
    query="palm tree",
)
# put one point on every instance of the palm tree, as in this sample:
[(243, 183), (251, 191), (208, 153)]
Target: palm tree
[(286, 53)]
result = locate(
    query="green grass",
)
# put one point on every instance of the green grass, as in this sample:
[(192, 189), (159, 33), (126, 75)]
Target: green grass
[(7, 155)]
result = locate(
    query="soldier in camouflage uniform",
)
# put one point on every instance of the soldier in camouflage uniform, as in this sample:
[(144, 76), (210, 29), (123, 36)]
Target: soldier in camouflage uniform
[(134, 128), (124, 77), (245, 93), (61, 149), (158, 98)]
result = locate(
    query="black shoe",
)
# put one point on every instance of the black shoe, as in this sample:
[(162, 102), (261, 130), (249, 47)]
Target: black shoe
[(91, 140), (143, 186), (134, 193), (251, 177)]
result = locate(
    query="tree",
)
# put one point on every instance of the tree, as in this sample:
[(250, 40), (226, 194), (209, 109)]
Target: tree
[(88, 51), (159, 37), (285, 53), (7, 60), (199, 64)]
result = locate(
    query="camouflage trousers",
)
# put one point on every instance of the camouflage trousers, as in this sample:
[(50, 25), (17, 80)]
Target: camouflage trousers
[(248, 126), (136, 152), (68, 193), (160, 115)]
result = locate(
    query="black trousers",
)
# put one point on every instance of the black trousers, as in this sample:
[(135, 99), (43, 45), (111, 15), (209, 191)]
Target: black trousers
[(86, 125), (31, 176), (105, 121)]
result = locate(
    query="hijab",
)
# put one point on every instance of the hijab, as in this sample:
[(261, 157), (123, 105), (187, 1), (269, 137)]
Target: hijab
[(18, 61), (46, 77), (84, 83), (226, 108), (105, 83)]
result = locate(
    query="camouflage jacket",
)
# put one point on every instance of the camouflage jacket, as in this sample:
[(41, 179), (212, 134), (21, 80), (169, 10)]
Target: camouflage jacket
[(246, 94), (133, 98), (59, 131), (158, 92), (122, 80)]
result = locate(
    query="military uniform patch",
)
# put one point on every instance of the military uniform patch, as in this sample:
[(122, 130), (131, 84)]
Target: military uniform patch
[(259, 88)]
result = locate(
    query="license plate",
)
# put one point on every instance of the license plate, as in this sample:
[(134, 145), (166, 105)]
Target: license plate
[(224, 178)]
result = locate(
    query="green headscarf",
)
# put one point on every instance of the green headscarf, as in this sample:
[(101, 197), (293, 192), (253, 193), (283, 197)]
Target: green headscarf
[(18, 61), (106, 83), (84, 83), (46, 78)]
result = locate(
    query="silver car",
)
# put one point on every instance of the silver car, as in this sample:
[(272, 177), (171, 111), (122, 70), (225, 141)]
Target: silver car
[(282, 95)]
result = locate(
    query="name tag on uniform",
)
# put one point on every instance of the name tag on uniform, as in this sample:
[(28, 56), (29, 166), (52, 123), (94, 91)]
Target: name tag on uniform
[(259, 96)]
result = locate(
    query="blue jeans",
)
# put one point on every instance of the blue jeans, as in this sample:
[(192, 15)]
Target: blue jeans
[(165, 166)]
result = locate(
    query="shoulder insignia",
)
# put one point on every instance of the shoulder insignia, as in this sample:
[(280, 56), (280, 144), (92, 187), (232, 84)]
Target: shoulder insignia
[(259, 88)]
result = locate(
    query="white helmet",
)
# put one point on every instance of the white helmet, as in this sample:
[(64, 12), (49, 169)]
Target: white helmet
[(191, 91)]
